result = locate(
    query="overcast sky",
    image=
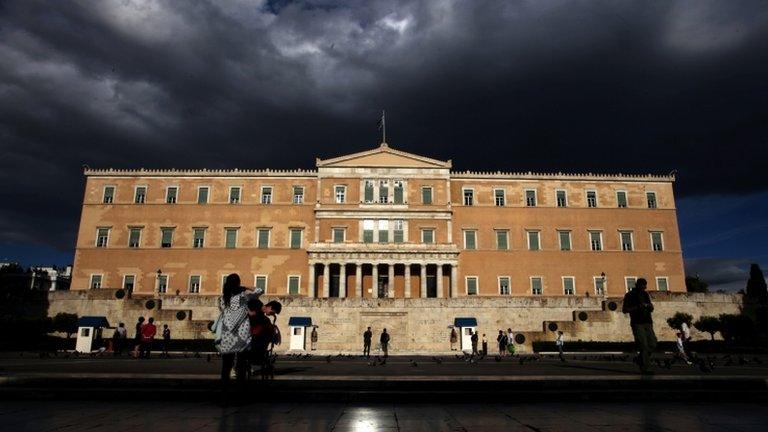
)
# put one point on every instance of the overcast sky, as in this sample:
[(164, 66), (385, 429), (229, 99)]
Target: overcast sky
[(568, 86)]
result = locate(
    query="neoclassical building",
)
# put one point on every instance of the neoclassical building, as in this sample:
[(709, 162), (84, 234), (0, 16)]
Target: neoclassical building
[(377, 224)]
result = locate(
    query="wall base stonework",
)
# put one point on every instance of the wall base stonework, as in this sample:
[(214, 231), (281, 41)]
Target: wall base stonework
[(415, 325)]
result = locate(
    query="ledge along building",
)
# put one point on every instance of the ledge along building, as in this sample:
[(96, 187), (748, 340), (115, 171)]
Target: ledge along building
[(380, 238)]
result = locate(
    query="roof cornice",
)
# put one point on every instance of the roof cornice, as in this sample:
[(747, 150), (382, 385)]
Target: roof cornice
[(113, 172), (383, 148), (560, 176)]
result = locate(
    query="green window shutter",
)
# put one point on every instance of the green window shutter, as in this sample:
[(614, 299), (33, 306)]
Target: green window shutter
[(261, 283), (338, 235), (295, 239), (199, 238), (231, 238), (293, 285), (383, 236), (167, 237), (398, 193), (565, 240), (398, 234), (426, 195), (368, 192), (469, 240), (471, 286), (263, 239), (621, 198), (568, 286), (502, 240), (536, 286), (109, 194), (533, 240), (134, 237), (368, 236), (661, 284), (202, 195)]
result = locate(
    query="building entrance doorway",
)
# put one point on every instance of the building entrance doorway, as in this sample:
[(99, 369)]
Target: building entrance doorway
[(431, 285), (383, 286), (333, 286)]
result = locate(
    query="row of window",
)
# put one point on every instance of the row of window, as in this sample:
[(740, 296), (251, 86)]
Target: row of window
[(533, 237), (376, 192), (198, 237), (472, 284)]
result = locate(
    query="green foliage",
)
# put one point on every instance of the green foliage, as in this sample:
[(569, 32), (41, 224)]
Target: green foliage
[(736, 327), (676, 322), (757, 290), (694, 284), (65, 323), (708, 324)]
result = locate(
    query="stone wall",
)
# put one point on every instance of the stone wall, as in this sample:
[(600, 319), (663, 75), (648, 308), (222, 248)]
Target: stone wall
[(416, 325)]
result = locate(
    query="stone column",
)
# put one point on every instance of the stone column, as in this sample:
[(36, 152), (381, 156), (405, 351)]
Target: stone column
[(407, 281), (375, 281), (423, 280), (391, 281), (454, 280), (359, 280), (343, 280), (311, 284), (439, 281), (326, 280)]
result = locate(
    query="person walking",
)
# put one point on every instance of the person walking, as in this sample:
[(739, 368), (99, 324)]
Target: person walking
[(510, 341), (137, 337), (637, 303), (118, 339), (453, 338), (166, 339), (384, 340), (313, 338), (485, 345), (501, 339), (680, 343), (233, 330), (474, 338), (148, 332), (367, 336), (559, 342)]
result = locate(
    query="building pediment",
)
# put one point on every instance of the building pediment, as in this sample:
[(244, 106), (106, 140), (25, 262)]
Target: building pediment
[(383, 157)]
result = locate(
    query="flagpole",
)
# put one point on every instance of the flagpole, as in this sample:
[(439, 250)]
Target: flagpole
[(383, 126)]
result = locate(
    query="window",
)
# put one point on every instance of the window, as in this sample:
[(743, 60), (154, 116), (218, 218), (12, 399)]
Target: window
[(398, 232), (399, 198), (234, 194), (651, 197), (562, 200), (298, 195), (662, 284), (261, 282), (341, 194), (626, 240), (533, 241), (95, 281), (383, 191), (502, 239), (599, 285), (591, 199), (499, 198), (295, 238), (134, 237), (102, 237), (109, 194), (293, 284), (536, 286), (368, 191), (202, 194), (503, 285), (166, 237), (530, 198), (230, 238), (565, 240), (428, 236), (171, 194), (569, 285), (469, 197), (426, 195), (198, 237), (262, 238), (470, 239), (162, 283), (129, 281), (383, 231), (368, 231), (266, 195), (194, 284), (471, 285), (621, 198), (629, 282), (141, 195), (338, 235), (657, 242), (596, 240)]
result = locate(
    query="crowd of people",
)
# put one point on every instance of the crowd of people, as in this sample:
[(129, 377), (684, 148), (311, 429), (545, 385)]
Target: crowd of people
[(143, 339)]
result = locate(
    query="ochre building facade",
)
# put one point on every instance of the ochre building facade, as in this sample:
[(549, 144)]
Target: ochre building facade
[(377, 224)]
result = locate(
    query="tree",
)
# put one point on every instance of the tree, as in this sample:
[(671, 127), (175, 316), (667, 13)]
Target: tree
[(677, 320), (708, 324), (694, 284), (757, 290), (65, 323), (736, 327)]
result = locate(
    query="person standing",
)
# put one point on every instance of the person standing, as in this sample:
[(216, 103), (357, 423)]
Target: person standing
[(233, 335), (118, 339), (137, 337), (453, 338), (367, 336), (501, 339), (384, 340), (313, 338), (485, 345), (559, 342), (637, 303), (474, 338), (148, 332), (686, 331), (510, 341), (166, 339)]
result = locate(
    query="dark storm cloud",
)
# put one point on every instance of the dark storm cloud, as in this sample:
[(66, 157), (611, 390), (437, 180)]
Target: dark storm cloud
[(729, 275), (525, 85)]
